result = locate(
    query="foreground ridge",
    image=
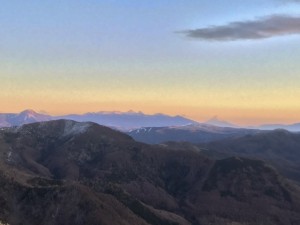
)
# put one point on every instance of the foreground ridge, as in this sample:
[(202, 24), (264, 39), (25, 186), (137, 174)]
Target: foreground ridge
[(65, 172)]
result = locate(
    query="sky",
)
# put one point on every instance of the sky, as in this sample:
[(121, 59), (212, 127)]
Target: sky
[(233, 58)]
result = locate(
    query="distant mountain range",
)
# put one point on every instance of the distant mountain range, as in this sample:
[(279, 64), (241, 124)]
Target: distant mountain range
[(130, 120), (25, 117), (195, 133), (295, 127), (291, 127), (118, 120), (152, 129)]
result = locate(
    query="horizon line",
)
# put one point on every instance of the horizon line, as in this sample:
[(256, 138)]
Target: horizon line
[(130, 111)]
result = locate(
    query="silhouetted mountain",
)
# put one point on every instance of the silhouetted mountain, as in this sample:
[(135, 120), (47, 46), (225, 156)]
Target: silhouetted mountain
[(117, 120), (215, 121), (130, 120), (280, 148), (25, 117), (64, 172), (291, 127), (190, 133)]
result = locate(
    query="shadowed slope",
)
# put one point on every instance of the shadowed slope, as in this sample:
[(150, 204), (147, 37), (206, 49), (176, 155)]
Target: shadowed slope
[(55, 170), (280, 148)]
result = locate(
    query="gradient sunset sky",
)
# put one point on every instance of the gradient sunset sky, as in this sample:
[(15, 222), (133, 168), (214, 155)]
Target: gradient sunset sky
[(236, 59)]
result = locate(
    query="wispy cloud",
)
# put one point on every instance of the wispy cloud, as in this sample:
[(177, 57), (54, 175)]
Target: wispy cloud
[(290, 1), (261, 28)]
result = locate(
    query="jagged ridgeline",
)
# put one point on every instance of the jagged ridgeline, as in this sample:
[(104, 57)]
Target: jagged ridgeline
[(65, 172)]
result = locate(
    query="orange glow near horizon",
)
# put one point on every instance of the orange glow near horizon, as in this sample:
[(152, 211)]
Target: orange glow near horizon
[(238, 104), (75, 57), (239, 115)]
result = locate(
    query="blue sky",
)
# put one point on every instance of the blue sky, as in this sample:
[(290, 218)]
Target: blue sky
[(121, 55)]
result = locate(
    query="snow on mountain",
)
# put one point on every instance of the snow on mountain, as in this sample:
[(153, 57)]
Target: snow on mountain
[(118, 120), (74, 128), (194, 133), (130, 120), (24, 117)]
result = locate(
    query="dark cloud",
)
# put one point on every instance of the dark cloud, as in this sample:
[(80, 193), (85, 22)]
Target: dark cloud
[(262, 28)]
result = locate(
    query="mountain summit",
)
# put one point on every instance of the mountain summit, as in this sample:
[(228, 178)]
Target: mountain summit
[(220, 123), (24, 117)]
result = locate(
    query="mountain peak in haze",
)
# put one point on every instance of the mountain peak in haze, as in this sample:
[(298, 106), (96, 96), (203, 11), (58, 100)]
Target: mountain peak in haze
[(220, 123), (130, 120), (29, 113), (134, 112), (24, 117)]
